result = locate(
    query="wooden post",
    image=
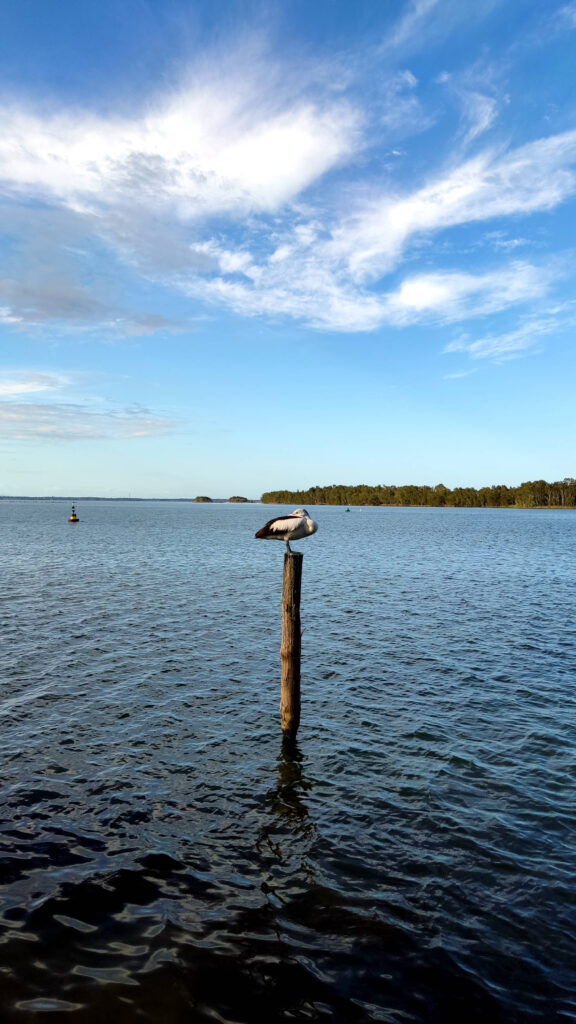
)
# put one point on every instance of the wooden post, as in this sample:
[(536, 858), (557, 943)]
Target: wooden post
[(290, 647)]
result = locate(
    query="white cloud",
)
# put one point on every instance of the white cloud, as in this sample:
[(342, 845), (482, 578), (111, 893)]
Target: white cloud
[(217, 146), (318, 300), (455, 296), (147, 187), (25, 382), (324, 300), (7, 317)]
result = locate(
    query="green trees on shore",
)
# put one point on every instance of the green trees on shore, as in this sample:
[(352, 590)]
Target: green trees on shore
[(531, 494)]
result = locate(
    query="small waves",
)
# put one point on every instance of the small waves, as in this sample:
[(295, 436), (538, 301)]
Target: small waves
[(163, 857)]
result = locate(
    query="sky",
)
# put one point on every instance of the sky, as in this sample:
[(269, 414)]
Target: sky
[(248, 246)]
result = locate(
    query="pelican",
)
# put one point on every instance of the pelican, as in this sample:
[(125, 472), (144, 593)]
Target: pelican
[(294, 526)]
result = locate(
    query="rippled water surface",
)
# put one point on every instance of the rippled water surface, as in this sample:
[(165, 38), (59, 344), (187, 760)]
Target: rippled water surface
[(163, 858)]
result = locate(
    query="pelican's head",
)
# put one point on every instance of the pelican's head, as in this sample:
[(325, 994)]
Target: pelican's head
[(300, 512)]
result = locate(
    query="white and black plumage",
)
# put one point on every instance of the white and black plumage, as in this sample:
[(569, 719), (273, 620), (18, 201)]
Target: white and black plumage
[(294, 526)]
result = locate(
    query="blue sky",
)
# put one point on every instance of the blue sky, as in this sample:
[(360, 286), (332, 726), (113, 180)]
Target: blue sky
[(257, 245)]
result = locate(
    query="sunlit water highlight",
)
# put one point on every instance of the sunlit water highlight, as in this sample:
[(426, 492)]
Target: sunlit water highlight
[(162, 858)]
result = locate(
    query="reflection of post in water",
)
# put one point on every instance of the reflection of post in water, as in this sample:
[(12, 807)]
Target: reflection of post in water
[(291, 785), (289, 813)]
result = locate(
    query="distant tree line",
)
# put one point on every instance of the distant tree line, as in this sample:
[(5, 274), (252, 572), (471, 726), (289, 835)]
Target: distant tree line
[(531, 494)]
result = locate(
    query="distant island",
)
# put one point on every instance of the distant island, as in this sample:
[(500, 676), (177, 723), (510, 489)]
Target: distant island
[(236, 499), (96, 497), (531, 494)]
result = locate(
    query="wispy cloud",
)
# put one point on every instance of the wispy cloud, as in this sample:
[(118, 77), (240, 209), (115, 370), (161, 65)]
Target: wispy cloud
[(424, 22), (458, 376), (511, 344), (54, 418), (478, 93), (409, 24), (25, 382), (30, 421), (398, 111), (480, 112), (326, 300), (499, 241), (534, 177), (307, 292), (567, 15), (455, 296)]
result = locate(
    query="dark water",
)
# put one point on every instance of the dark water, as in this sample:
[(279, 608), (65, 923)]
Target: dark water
[(162, 858)]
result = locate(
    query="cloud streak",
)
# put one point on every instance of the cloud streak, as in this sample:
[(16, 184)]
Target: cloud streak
[(408, 25), (511, 344), (26, 382), (61, 420), (34, 421), (532, 178)]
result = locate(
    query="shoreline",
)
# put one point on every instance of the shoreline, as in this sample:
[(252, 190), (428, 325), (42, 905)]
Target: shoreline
[(257, 501)]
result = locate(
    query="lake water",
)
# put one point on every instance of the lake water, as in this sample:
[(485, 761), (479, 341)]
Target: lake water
[(162, 858)]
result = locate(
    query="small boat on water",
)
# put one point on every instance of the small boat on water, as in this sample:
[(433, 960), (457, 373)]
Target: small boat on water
[(73, 518)]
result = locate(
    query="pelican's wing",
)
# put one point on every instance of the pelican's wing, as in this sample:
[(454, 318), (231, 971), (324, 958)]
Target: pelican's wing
[(279, 525)]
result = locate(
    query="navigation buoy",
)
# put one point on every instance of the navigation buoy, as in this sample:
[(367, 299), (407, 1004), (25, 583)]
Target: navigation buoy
[(73, 518)]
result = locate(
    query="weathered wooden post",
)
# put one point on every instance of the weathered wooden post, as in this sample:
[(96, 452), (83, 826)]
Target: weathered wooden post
[(290, 646)]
